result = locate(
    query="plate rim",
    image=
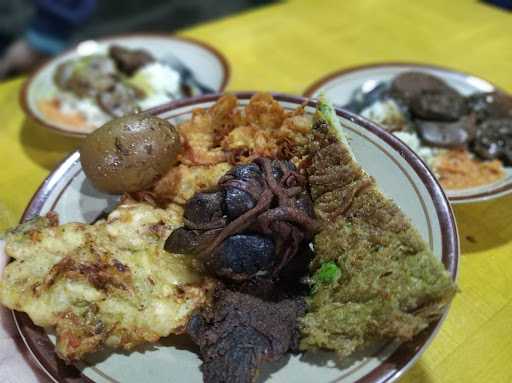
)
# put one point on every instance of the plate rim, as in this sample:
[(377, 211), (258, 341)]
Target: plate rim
[(313, 87), (476, 197), (388, 370), (23, 94)]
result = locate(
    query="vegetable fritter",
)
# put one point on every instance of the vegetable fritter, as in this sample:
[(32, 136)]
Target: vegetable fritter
[(374, 277), (108, 284)]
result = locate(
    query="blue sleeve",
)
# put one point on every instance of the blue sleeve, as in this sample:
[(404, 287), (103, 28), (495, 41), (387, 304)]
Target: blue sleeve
[(55, 21)]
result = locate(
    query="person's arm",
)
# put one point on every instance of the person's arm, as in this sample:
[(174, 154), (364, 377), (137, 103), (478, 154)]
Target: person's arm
[(55, 21)]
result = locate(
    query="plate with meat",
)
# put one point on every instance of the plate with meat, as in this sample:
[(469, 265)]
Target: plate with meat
[(97, 80), (459, 124), (233, 238)]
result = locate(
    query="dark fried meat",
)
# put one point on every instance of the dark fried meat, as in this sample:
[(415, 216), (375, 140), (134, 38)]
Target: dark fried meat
[(119, 100), (129, 61), (256, 220), (241, 332)]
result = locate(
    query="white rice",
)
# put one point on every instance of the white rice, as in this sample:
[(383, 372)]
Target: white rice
[(162, 79), (387, 113), (92, 113), (427, 154)]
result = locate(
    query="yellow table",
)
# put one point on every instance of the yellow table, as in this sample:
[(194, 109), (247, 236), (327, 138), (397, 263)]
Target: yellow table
[(287, 46)]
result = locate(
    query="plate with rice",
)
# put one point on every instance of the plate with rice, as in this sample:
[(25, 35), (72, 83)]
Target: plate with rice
[(458, 123), (86, 86)]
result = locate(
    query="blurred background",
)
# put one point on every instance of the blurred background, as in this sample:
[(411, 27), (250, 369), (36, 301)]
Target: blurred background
[(33, 30)]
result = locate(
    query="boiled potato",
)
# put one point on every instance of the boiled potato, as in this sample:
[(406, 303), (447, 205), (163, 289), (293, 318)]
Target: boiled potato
[(130, 153)]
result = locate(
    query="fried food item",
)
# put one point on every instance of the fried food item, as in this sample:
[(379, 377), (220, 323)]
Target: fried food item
[(249, 142), (51, 108), (224, 134), (241, 332), (86, 76), (120, 100), (375, 277), (458, 169), (266, 130), (108, 284), (200, 134), (182, 181)]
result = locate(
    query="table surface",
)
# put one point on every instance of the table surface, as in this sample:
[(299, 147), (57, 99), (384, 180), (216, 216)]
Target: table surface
[(284, 48)]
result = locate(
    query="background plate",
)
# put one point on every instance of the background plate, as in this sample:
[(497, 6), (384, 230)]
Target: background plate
[(339, 87), (209, 66)]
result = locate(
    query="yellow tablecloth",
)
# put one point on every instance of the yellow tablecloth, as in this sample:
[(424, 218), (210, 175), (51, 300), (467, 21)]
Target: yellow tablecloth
[(287, 46)]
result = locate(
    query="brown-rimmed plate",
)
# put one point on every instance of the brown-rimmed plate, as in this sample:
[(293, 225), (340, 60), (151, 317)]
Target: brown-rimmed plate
[(208, 65), (399, 173), (339, 87)]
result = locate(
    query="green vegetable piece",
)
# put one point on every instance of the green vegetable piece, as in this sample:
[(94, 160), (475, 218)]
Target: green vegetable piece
[(328, 272)]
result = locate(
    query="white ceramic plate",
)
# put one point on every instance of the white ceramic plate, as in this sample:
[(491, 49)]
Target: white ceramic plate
[(400, 174), (208, 65), (339, 87)]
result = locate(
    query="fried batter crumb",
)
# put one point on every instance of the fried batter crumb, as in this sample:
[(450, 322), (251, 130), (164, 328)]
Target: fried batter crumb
[(224, 135), (458, 169)]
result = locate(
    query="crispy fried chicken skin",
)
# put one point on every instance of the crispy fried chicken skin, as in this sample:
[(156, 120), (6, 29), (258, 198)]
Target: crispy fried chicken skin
[(241, 332)]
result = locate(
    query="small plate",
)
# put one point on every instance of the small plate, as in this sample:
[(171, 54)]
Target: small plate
[(339, 86), (208, 64), (398, 171)]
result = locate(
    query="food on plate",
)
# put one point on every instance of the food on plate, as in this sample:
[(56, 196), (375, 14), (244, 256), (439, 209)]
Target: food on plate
[(436, 121), (490, 105), (250, 232), (130, 153), (87, 76), (375, 277), (389, 113), (457, 169), (242, 332), (110, 284), (494, 140), (181, 182), (447, 134), (94, 88), (409, 85), (216, 241), (253, 223), (222, 133), (120, 100)]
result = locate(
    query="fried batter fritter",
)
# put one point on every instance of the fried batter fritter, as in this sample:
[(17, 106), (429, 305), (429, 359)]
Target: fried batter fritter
[(224, 134), (202, 133), (375, 277), (182, 181), (266, 130), (107, 284)]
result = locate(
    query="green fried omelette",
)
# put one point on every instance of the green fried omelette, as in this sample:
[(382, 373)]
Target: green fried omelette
[(374, 276)]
